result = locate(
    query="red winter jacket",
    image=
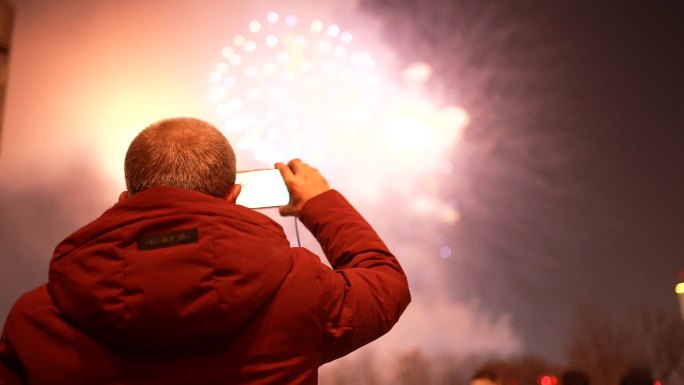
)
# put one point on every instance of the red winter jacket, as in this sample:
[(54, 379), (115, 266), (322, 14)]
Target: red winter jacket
[(176, 287)]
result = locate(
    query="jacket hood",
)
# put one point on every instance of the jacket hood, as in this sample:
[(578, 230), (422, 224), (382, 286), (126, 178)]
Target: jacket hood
[(168, 268)]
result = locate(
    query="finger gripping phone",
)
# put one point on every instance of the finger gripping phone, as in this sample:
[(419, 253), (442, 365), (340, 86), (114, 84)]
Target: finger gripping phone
[(262, 189)]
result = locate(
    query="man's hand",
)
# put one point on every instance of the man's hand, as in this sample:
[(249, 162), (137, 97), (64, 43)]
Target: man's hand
[(303, 182)]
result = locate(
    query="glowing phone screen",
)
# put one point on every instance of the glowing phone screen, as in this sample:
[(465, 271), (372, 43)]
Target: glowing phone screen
[(261, 189)]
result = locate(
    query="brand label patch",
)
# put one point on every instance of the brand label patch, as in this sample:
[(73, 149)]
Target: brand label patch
[(150, 242)]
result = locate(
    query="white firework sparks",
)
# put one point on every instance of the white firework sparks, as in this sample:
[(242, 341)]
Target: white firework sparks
[(289, 88)]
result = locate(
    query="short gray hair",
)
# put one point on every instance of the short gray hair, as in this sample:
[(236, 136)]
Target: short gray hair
[(187, 153)]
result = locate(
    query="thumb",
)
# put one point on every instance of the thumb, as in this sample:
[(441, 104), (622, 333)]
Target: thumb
[(286, 210)]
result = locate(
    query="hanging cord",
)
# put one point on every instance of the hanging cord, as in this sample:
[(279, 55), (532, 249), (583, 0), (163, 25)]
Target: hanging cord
[(299, 244)]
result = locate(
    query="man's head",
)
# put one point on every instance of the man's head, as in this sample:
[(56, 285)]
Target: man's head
[(485, 377), (637, 376), (186, 153), (574, 377)]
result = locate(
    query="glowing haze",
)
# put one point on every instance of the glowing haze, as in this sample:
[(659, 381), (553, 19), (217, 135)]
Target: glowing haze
[(292, 87), (310, 81)]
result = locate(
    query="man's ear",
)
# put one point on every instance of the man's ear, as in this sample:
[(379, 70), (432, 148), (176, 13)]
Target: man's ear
[(123, 196), (233, 193)]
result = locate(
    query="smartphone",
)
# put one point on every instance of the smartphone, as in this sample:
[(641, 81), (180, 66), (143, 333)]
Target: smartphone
[(262, 189)]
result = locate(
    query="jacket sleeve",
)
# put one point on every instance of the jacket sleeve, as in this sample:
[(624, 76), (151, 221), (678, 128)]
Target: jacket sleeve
[(367, 291), (9, 362)]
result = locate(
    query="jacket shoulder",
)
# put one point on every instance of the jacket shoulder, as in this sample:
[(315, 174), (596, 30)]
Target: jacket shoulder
[(34, 307), (38, 297)]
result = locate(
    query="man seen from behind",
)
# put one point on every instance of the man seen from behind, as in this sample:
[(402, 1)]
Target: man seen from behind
[(177, 284)]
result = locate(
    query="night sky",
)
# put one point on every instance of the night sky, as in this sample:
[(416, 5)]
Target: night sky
[(569, 177), (574, 159)]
